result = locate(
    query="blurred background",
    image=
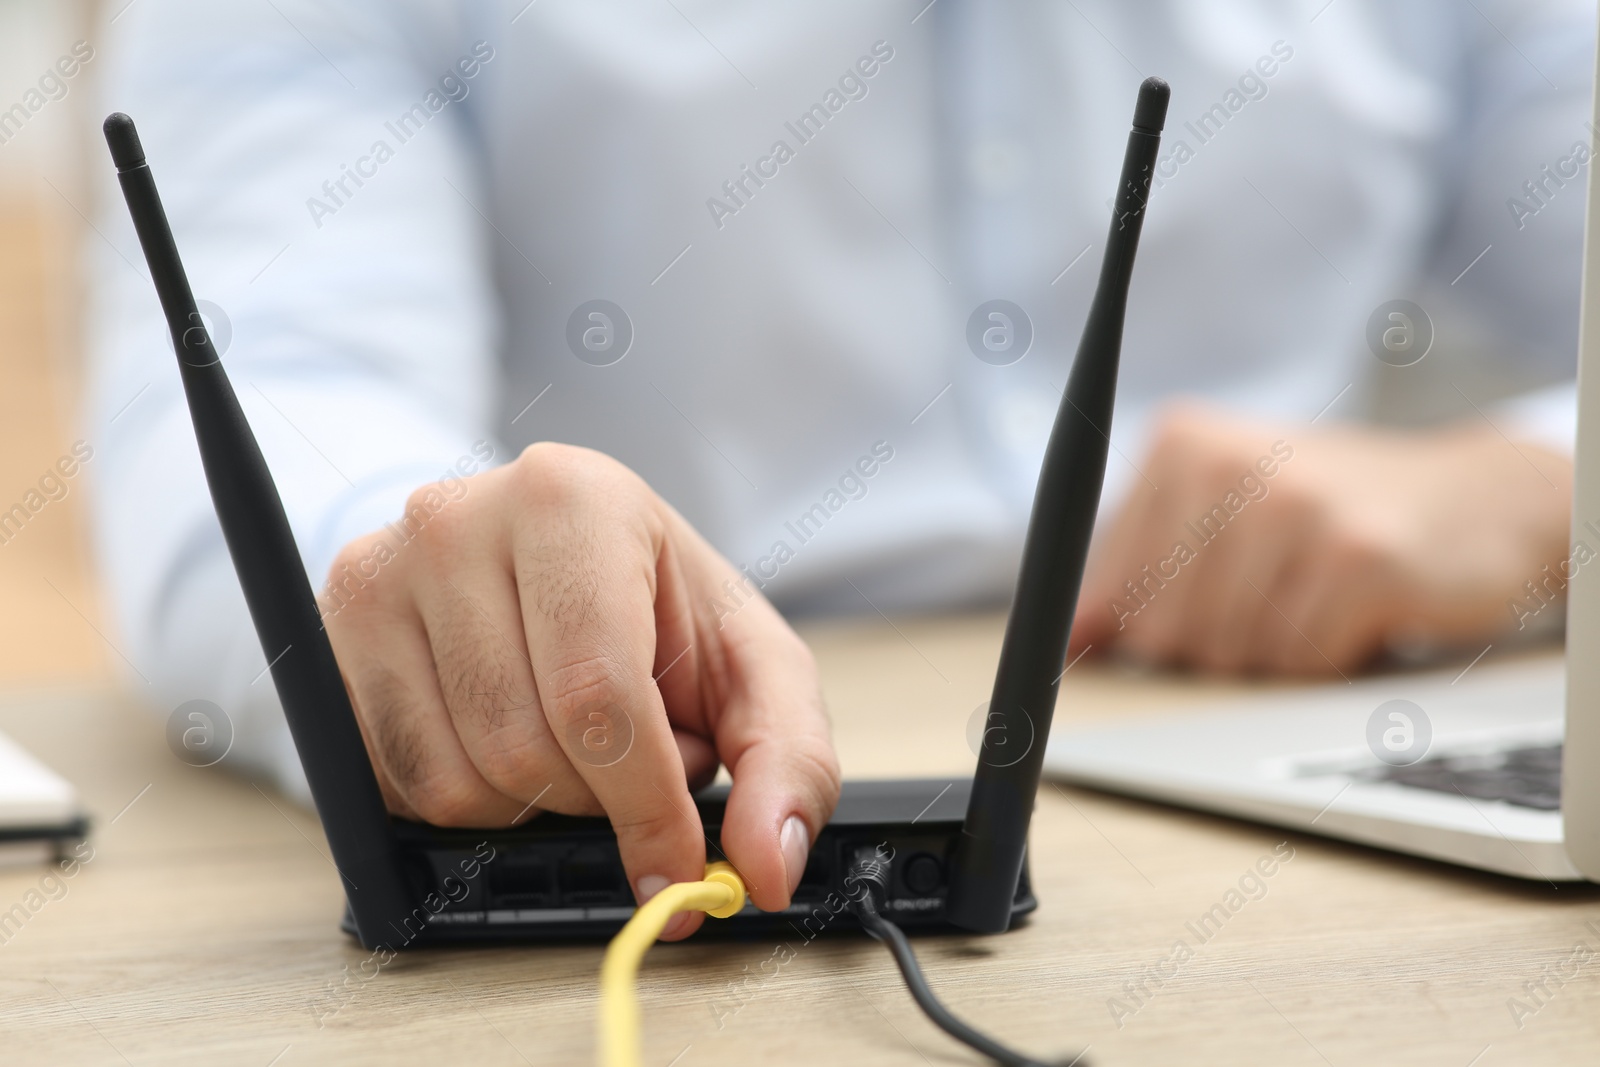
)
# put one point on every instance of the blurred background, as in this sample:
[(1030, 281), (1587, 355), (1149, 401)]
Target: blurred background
[(50, 615)]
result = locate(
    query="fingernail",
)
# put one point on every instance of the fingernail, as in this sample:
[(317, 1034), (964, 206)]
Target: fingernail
[(795, 841), (650, 885)]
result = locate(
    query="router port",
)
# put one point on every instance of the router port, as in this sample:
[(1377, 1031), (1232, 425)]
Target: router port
[(818, 878), (522, 881), (592, 875)]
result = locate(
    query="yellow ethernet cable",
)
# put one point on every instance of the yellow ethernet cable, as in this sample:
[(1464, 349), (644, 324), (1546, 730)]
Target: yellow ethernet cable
[(720, 895)]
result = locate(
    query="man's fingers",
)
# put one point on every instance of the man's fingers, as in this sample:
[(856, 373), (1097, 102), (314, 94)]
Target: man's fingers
[(1273, 581), (773, 733), (758, 696), (1323, 623), (700, 761), (1256, 622), (585, 557), (388, 668), (1165, 583), (1352, 613), (1098, 619), (782, 796), (1225, 602), (476, 633)]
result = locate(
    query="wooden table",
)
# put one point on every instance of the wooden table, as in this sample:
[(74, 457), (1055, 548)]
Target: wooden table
[(203, 931)]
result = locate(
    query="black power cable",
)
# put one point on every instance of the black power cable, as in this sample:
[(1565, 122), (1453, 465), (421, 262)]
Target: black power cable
[(867, 886)]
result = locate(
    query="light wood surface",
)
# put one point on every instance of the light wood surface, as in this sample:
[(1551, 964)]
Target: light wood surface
[(204, 929)]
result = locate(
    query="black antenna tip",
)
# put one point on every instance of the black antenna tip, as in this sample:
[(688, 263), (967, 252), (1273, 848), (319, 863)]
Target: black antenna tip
[(123, 139), (1150, 113)]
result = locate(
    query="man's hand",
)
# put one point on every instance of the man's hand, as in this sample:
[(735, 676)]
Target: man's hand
[(548, 640), (1309, 550)]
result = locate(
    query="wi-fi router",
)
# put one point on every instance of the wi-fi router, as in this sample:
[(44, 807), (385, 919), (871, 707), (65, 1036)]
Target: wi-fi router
[(958, 846)]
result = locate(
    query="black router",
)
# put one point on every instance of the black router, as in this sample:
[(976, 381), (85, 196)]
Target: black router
[(959, 846)]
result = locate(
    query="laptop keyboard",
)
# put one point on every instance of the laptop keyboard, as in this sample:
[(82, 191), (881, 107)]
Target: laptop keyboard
[(1530, 777)]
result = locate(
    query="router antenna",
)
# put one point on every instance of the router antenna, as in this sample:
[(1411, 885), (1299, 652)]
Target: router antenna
[(273, 576), (989, 855)]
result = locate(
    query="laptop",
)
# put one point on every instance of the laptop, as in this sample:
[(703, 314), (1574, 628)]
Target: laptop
[(40, 814), (1497, 767)]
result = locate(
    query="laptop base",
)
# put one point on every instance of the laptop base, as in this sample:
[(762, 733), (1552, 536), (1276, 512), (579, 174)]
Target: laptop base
[(1301, 759)]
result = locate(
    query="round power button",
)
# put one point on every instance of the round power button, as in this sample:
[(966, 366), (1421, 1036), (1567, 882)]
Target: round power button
[(924, 873)]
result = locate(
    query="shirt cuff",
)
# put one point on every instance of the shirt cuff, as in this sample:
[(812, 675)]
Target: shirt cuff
[(1547, 417)]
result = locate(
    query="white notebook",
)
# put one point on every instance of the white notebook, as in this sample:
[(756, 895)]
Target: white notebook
[(39, 810)]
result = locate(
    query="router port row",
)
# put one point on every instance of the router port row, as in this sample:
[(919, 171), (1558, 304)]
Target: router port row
[(546, 876)]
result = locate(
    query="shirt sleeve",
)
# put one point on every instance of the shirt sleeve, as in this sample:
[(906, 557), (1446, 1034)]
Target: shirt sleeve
[(1547, 417), (316, 162)]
